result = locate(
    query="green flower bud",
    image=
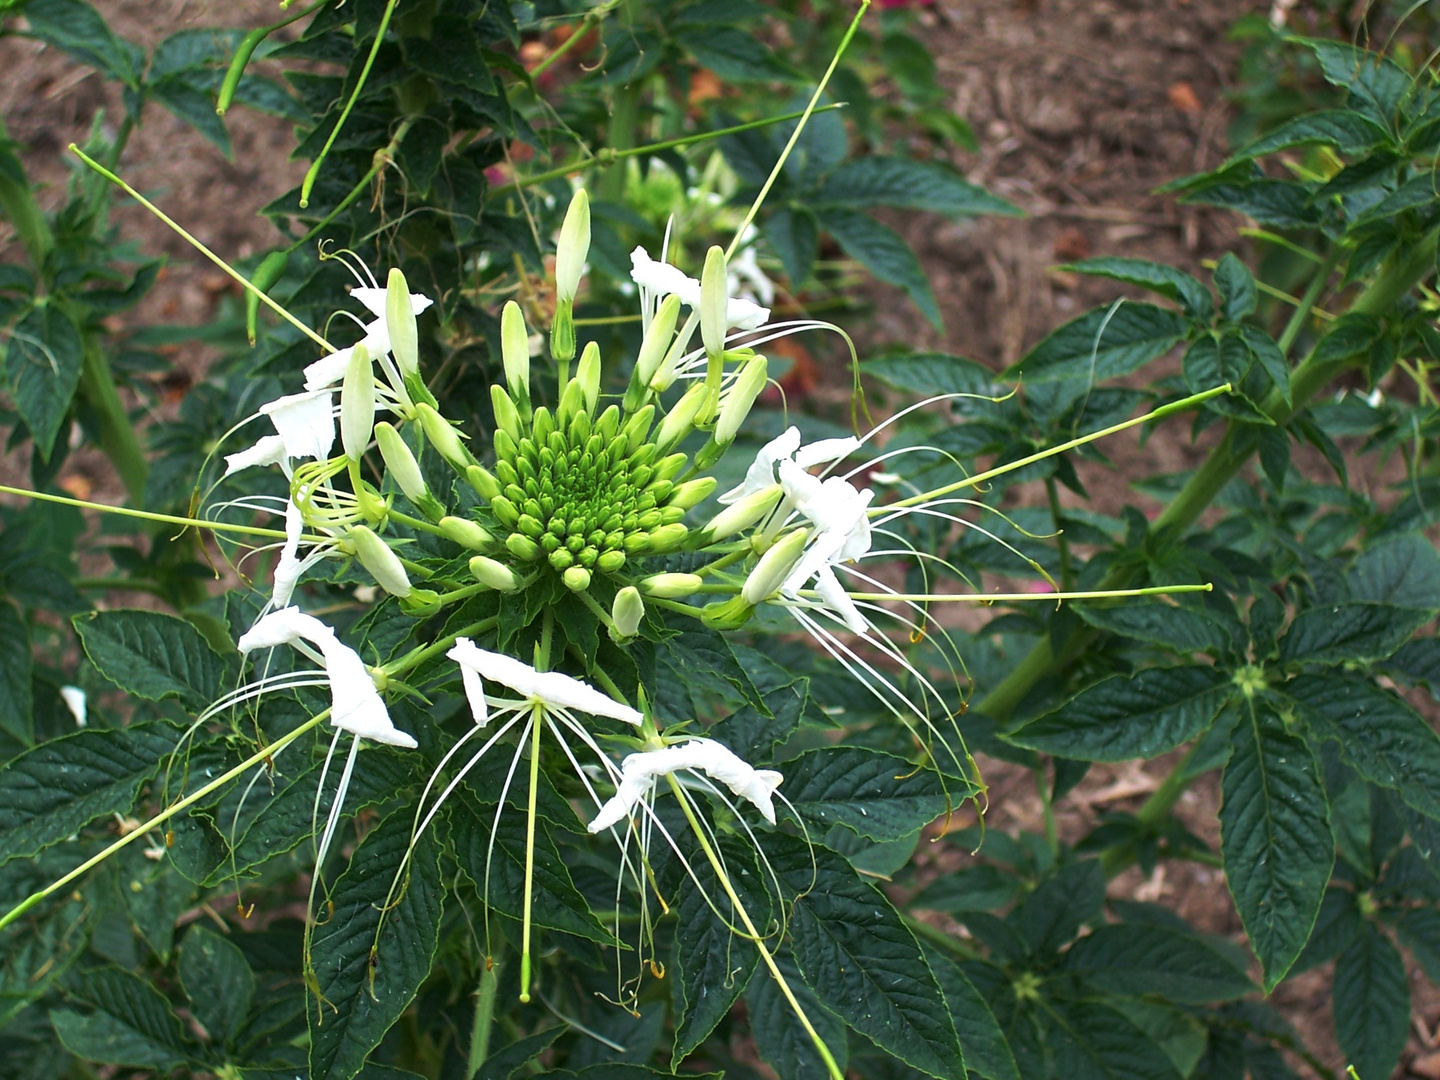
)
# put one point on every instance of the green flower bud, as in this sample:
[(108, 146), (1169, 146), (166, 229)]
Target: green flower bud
[(626, 612), (507, 417), (576, 579), (671, 586), (637, 428), (587, 374), (573, 247), (692, 492), (774, 567), (382, 563), (729, 614), (608, 424), (400, 463), (483, 481), (572, 403), (668, 468), (400, 325), (506, 450), (653, 350), (561, 559), (494, 574), (736, 406), (739, 516), (357, 404), (421, 603), (542, 425), (714, 302), (466, 533), (505, 511), (680, 421), (522, 547), (667, 538), (562, 337), (515, 351), (610, 561), (443, 437)]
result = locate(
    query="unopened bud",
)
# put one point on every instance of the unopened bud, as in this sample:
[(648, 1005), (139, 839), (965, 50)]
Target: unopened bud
[(728, 614), (714, 302), (627, 611), (667, 538), (562, 336), (573, 247), (637, 428), (357, 403), (421, 603), (483, 481), (443, 437), (653, 348), (576, 579), (740, 515), (507, 417), (400, 463), (384, 565), (400, 324), (522, 547), (541, 425), (572, 403), (671, 586), (496, 575), (466, 533), (680, 421), (692, 492), (587, 374), (506, 511), (774, 567), (515, 351), (736, 406), (610, 561), (668, 468)]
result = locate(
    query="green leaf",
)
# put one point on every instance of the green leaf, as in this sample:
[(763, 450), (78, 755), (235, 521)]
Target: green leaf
[(43, 361), (1265, 352), (733, 55), (974, 888), (861, 961), (17, 705), (871, 793), (1184, 630), (1347, 131), (1275, 838), (132, 1023), (1093, 1041), (1170, 283), (49, 793), (986, 1051), (1283, 203), (1124, 717), (1106, 343), (1134, 960), (1060, 905), (932, 373), (1419, 930), (1404, 571), (1349, 633), (218, 982), (1417, 663), (364, 994), (189, 98), (692, 663), (1371, 1003), (152, 655), (867, 182), (76, 29), (881, 250), (452, 53), (509, 1060), (1386, 741), (1238, 294), (1348, 336), (783, 1043), (795, 235)]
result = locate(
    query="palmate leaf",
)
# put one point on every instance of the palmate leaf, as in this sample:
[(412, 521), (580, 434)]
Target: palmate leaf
[(1349, 633), (1105, 343), (882, 251), (132, 1023), (1274, 836), (153, 656), (1404, 571), (364, 994), (1059, 906), (1183, 630), (1157, 277), (861, 961), (986, 1050), (50, 792), (866, 182), (876, 795), (1371, 1003)]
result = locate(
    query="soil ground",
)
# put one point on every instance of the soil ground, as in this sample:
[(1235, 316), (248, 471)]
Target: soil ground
[(1081, 108)]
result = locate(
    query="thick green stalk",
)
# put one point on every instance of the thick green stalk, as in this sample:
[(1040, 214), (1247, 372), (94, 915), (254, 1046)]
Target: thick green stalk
[(117, 434), (484, 1018), (1397, 277)]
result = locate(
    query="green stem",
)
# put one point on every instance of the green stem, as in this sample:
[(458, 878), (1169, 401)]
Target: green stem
[(378, 161), (484, 1018), (1155, 810), (779, 976), (1053, 495), (117, 434), (410, 661), (147, 515), (165, 815), (1308, 301), (592, 17), (536, 724)]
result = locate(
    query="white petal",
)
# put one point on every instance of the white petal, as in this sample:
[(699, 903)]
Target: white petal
[(283, 627), (761, 473), (742, 314), (630, 794), (270, 450), (719, 762), (802, 489), (834, 596), (825, 451), (541, 687), (74, 699), (475, 693), (289, 568), (328, 370), (305, 422), (374, 301), (661, 279)]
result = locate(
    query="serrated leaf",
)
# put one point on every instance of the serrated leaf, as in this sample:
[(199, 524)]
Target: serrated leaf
[(1386, 741), (1238, 294), (76, 29), (1093, 1041), (451, 52), (1371, 1003), (783, 1043), (795, 235), (132, 1023), (152, 655), (697, 661), (1135, 960), (363, 995), (1126, 717), (1349, 633), (1106, 343), (867, 182), (1419, 930), (882, 251), (1417, 662), (217, 980), (508, 1060), (861, 961), (1054, 912), (1169, 282), (1348, 336), (1404, 571), (47, 794), (986, 1051), (975, 888), (1183, 630), (43, 359), (733, 54), (1347, 131), (1282, 203), (1265, 352), (871, 793), (17, 704), (1275, 838), (932, 373)]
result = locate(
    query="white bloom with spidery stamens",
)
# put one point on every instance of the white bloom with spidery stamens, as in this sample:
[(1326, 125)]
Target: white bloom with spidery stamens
[(639, 772), (659, 279), (550, 690), (329, 370)]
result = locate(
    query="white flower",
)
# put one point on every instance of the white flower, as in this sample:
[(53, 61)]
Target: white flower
[(550, 690), (761, 474), (356, 706), (745, 271), (74, 699), (329, 370), (290, 566), (640, 771), (305, 423), (270, 450), (659, 279)]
